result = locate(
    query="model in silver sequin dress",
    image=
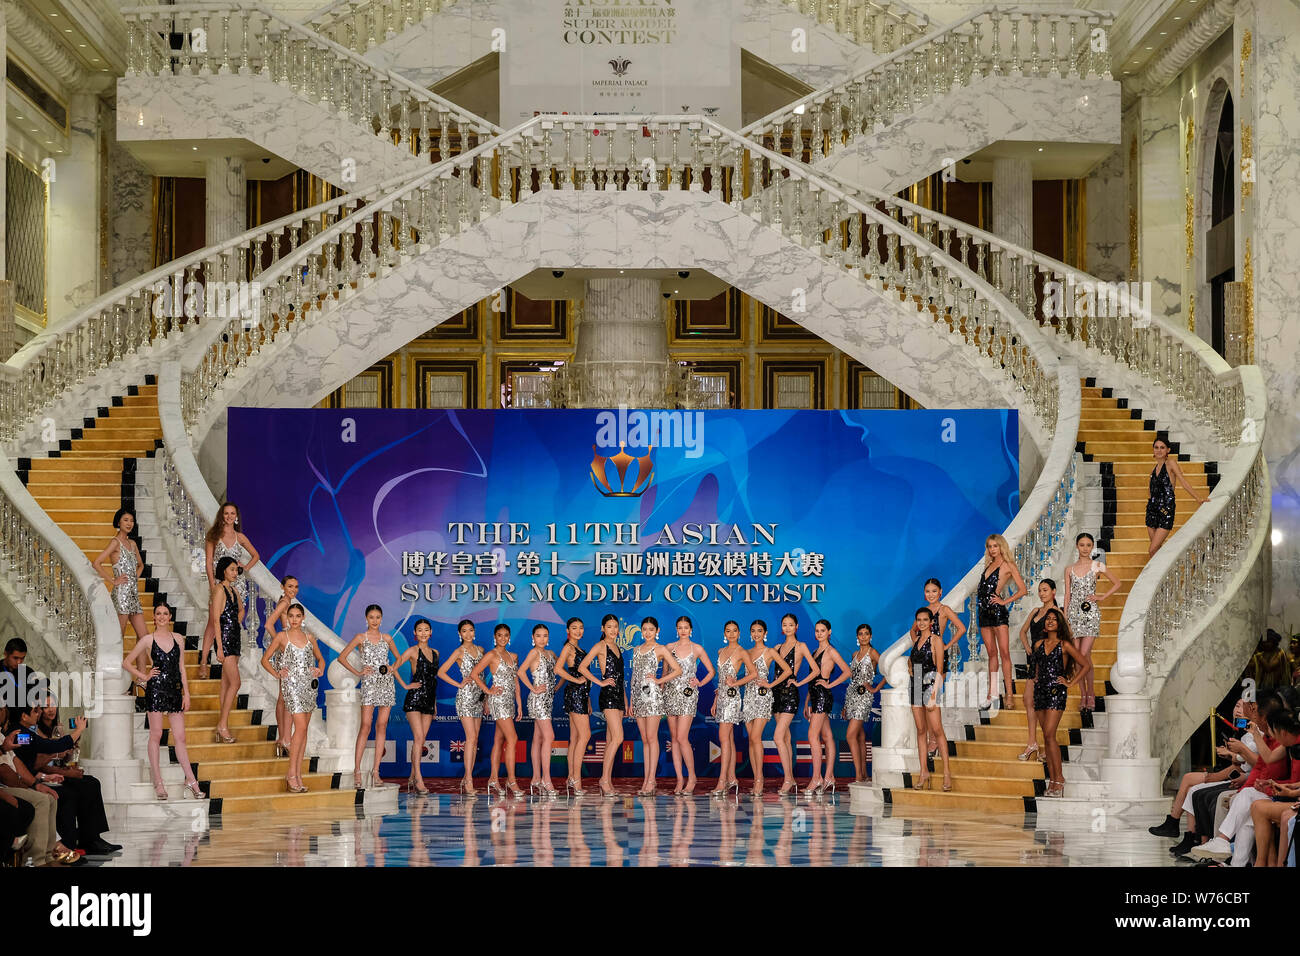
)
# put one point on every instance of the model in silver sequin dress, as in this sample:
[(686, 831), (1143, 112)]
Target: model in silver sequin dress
[(376, 689), (680, 696), (502, 706), (730, 700), (469, 699), (648, 695), (221, 550), (296, 686), (540, 701), (126, 596), (1083, 590), (758, 699), (858, 697)]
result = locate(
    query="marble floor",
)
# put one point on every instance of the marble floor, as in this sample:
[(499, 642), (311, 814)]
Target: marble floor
[(443, 829)]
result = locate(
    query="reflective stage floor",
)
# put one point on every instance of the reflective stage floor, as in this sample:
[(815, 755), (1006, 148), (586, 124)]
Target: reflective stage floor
[(444, 829)]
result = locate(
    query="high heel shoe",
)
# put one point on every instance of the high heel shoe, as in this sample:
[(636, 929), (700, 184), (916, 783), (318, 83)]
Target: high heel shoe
[(281, 750), (549, 789), (514, 788), (420, 788), (375, 780), (159, 790), (828, 784), (221, 738), (358, 780), (922, 784), (947, 783), (466, 787), (192, 789), (1029, 753), (492, 785), (611, 792), (571, 786)]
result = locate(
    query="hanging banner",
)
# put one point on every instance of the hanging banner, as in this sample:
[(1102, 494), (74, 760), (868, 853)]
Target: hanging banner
[(620, 56)]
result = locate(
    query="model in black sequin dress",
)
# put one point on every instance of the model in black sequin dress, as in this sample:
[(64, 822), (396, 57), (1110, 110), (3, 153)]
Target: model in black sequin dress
[(924, 672), (1049, 694), (577, 696), (612, 697), (424, 670), (821, 700), (1160, 499), (229, 624), (991, 614), (163, 693), (785, 695)]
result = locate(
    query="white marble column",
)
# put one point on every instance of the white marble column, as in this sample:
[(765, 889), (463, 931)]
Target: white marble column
[(225, 203), (1268, 112), (1161, 210), (1013, 201), (73, 271), (623, 321)]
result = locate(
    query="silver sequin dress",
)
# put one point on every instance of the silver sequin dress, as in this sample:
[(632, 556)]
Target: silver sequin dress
[(857, 699), (469, 699), (730, 701), (502, 706), (758, 699), (1083, 590), (647, 695), (299, 696), (680, 696), (126, 597), (221, 550), (376, 689), (540, 701)]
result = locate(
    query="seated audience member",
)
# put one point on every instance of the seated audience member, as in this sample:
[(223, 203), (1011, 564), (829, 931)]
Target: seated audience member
[(1273, 765), (37, 791), (1274, 820), (81, 815), (25, 685), (15, 817), (1241, 756)]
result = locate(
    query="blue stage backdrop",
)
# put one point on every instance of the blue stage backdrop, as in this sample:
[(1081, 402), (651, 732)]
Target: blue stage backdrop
[(536, 516)]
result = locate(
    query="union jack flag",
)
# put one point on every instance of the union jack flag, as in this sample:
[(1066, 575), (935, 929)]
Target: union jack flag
[(458, 751)]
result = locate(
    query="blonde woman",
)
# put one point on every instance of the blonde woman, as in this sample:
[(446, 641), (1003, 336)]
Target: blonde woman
[(993, 614)]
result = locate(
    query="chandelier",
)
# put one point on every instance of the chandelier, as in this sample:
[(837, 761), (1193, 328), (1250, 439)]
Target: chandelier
[(636, 383)]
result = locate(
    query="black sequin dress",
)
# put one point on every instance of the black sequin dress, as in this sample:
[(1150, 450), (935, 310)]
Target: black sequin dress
[(821, 700), (1048, 694), (613, 697), (1160, 500), (991, 614), (1037, 634), (577, 697), (229, 624), (421, 699), (163, 694), (785, 695), (924, 672)]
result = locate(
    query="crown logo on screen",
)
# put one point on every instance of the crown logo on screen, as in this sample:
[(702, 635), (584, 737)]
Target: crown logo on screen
[(622, 462), (620, 65)]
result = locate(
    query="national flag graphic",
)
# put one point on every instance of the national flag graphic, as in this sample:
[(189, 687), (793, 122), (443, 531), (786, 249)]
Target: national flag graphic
[(521, 751), (561, 751), (629, 751), (595, 752), (802, 753), (430, 754), (715, 753), (458, 751)]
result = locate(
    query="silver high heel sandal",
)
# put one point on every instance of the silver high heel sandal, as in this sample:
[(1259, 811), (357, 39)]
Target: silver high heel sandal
[(571, 787), (192, 789), (160, 791)]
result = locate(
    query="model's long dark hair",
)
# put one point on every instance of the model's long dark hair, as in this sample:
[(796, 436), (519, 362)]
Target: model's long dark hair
[(1064, 633)]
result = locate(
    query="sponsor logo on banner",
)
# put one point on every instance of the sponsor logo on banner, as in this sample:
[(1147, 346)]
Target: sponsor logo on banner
[(619, 65), (430, 754)]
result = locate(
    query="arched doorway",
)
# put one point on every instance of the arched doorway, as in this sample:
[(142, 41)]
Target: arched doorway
[(1219, 239)]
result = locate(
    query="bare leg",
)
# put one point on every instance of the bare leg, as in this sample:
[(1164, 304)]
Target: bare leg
[(989, 636), (137, 623), (828, 741), (918, 715), (781, 736), (229, 689), (363, 734), (579, 734), (755, 730), (613, 742), (1004, 652), (650, 737), (1085, 686), (934, 718), (282, 731), (674, 749), (470, 726), (815, 747), (155, 745), (509, 737), (1031, 715), (1157, 536), (419, 731), (542, 766), (1049, 719), (177, 724), (298, 744), (855, 738), (381, 737)]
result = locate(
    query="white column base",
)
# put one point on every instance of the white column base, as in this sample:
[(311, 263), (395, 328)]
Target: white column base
[(896, 753)]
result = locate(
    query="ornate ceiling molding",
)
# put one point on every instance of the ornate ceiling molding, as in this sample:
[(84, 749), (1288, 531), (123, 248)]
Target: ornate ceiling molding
[(1203, 28), (28, 29)]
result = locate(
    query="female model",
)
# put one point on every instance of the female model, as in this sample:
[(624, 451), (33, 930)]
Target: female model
[(376, 689), (681, 697), (503, 705), (611, 700), (993, 614), (290, 596), (299, 665), (124, 555), (1161, 500), (1031, 632), (541, 698), (577, 700), (785, 696), (728, 705), (757, 709), (469, 701), (859, 697), (925, 678), (819, 706), (421, 703), (226, 539), (648, 695), (1057, 665), (943, 617), (225, 612), (1083, 611), (166, 691)]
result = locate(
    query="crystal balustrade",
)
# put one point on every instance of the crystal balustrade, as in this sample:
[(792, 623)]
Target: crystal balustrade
[(1110, 322), (359, 25), (1038, 42), (224, 38)]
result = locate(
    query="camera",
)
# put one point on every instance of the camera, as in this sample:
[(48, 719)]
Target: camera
[(23, 738), (558, 273), (684, 274)]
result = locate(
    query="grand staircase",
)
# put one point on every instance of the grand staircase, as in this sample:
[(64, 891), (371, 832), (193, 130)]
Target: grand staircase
[(80, 486), (986, 774)]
